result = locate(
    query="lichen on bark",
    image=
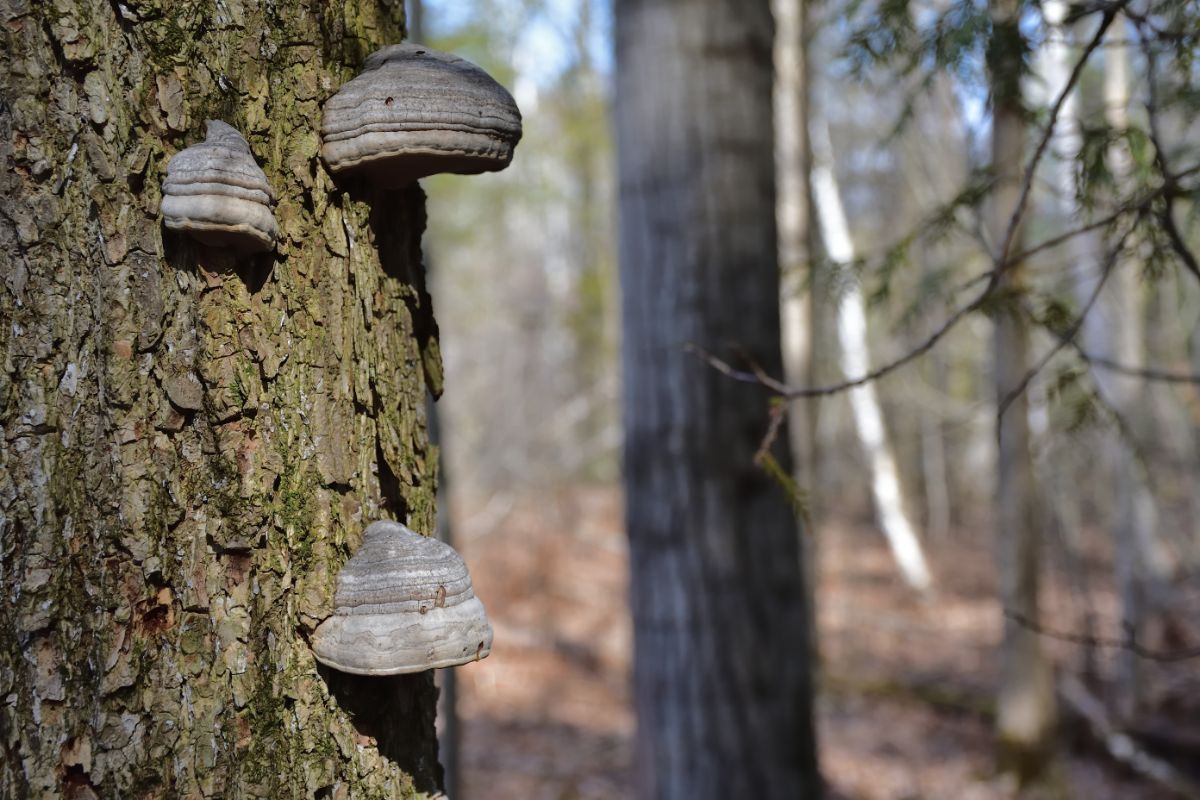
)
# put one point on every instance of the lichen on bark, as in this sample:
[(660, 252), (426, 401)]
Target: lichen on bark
[(190, 445)]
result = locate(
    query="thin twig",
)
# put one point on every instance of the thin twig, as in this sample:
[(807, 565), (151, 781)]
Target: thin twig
[(1128, 642), (783, 390), (1167, 217), (777, 415), (1014, 222), (1149, 374), (1072, 330), (757, 376)]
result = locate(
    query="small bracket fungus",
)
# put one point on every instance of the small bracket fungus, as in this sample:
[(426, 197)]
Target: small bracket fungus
[(216, 193), (414, 112), (404, 603)]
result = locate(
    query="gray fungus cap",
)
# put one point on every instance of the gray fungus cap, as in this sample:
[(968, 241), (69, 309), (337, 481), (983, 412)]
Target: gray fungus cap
[(216, 193), (414, 112), (404, 603)]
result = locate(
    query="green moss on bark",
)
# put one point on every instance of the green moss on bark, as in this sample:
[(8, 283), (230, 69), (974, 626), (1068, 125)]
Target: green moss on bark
[(168, 563)]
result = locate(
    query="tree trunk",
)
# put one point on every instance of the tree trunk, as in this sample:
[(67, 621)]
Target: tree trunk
[(191, 444), (793, 158), (1112, 331), (1025, 708), (797, 242), (1145, 565), (855, 361), (721, 671)]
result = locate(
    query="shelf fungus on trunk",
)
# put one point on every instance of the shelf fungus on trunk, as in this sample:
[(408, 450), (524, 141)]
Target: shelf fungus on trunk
[(414, 112), (404, 603), (217, 194)]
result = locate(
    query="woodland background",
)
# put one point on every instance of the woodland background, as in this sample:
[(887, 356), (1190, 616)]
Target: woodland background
[(525, 284), (816, 401)]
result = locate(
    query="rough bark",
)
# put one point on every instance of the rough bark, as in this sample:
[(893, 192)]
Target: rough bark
[(192, 445), (721, 672), (1025, 708)]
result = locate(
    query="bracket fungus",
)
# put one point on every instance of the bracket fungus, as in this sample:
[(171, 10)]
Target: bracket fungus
[(404, 603), (414, 112), (216, 193)]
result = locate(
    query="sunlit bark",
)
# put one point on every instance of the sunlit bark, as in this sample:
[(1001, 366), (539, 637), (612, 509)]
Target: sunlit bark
[(190, 446)]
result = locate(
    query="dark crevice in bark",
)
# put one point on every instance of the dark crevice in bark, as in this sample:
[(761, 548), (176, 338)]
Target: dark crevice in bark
[(398, 222), (392, 502), (396, 714), (257, 271)]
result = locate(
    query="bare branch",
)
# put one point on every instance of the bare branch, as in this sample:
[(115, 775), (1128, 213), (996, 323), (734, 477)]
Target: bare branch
[(1170, 180), (1106, 20), (1069, 335), (1149, 374), (1121, 746), (777, 415), (793, 394), (1128, 642)]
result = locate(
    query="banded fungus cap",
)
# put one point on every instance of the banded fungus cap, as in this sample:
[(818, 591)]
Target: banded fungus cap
[(404, 603), (216, 193), (414, 112)]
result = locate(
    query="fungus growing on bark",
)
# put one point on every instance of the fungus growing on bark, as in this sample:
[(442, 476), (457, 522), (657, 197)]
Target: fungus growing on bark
[(217, 194), (404, 603), (414, 112)]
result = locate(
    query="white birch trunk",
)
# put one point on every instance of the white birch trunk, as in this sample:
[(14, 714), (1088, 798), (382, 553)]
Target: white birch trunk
[(855, 361)]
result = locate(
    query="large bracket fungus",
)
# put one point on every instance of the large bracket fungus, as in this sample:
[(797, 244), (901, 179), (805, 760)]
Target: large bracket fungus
[(414, 112), (216, 193), (404, 603)]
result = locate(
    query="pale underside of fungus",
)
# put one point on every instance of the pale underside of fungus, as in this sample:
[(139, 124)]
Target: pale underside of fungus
[(404, 603), (216, 193), (414, 112)]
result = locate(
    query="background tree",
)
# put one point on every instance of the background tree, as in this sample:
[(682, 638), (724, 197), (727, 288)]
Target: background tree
[(1025, 707), (192, 445), (721, 671)]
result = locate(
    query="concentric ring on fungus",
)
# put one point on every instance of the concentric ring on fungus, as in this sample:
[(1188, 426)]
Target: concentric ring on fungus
[(404, 603), (216, 193), (414, 112)]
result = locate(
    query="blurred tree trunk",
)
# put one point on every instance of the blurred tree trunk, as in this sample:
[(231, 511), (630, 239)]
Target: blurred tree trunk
[(1025, 708), (856, 361), (797, 234), (797, 243), (192, 445), (721, 671), (1145, 565), (1112, 331), (935, 472)]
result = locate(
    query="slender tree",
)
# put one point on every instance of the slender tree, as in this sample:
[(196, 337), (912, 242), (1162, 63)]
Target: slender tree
[(192, 444), (721, 670), (1111, 331), (797, 232), (854, 358), (1025, 708)]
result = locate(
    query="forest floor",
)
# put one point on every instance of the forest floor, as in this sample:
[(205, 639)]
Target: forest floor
[(904, 707)]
